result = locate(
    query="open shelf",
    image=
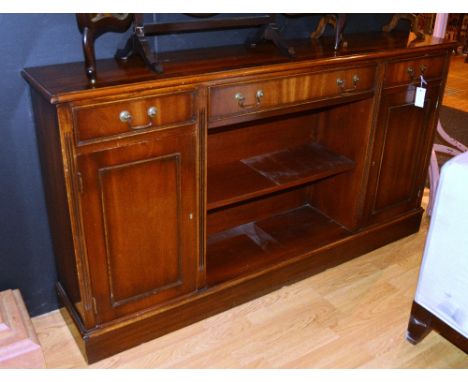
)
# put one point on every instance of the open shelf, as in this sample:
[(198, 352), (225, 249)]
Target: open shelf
[(229, 183), (256, 245)]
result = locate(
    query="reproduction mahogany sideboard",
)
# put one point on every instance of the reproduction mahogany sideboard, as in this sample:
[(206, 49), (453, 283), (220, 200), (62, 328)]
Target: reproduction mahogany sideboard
[(175, 196)]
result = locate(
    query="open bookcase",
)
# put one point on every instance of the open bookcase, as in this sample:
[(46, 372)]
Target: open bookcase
[(272, 184), (174, 196)]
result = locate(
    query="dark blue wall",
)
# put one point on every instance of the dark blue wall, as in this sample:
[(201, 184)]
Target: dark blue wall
[(26, 258)]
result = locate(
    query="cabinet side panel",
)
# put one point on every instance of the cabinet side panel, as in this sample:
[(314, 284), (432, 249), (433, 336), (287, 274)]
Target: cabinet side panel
[(50, 151)]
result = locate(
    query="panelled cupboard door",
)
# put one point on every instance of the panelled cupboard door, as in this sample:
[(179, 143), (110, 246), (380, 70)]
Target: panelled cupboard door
[(401, 151), (139, 210)]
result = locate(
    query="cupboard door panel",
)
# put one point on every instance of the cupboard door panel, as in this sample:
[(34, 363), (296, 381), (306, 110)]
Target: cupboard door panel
[(149, 231), (139, 212), (401, 150)]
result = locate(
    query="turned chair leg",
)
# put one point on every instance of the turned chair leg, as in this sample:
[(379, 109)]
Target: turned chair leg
[(419, 325)]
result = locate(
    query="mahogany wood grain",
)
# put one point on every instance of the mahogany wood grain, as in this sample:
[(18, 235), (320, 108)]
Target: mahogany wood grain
[(140, 217), (280, 92), (208, 24), (259, 244), (407, 71), (214, 204), (271, 172), (396, 178), (361, 304), (118, 336), (66, 82), (347, 129), (53, 169), (263, 136), (257, 209), (103, 119), (93, 25)]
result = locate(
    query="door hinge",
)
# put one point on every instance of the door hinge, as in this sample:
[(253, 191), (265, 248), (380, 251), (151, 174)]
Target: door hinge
[(80, 182)]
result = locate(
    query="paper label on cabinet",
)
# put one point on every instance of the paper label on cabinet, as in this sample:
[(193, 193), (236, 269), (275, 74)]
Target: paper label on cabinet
[(420, 96)]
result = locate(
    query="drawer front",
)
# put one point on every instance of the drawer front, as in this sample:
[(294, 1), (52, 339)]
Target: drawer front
[(242, 98), (132, 115), (407, 71)]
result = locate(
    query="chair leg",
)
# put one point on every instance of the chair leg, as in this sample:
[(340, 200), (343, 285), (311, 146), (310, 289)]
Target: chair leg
[(419, 325)]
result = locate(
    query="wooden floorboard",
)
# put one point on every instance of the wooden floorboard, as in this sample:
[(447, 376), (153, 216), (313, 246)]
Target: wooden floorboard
[(456, 90), (350, 316)]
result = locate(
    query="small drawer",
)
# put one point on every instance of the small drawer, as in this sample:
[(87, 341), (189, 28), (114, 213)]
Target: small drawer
[(408, 71), (131, 115), (242, 98)]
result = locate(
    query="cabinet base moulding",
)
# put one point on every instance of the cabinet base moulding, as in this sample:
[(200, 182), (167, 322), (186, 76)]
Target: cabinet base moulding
[(114, 337)]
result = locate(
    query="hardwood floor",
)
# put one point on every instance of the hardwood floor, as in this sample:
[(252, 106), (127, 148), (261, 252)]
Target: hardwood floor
[(351, 316), (456, 90)]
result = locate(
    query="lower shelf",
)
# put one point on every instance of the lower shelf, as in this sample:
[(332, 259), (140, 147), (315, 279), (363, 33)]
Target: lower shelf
[(255, 245), (110, 338)]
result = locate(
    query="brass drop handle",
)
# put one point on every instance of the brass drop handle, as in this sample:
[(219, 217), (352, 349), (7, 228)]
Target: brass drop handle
[(341, 84), (410, 72), (126, 117), (240, 98)]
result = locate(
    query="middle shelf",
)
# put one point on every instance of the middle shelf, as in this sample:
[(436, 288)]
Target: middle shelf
[(244, 179)]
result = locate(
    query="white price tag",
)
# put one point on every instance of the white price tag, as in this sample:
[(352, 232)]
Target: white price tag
[(420, 96)]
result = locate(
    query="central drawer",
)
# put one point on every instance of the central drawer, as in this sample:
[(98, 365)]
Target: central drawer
[(131, 115), (232, 100)]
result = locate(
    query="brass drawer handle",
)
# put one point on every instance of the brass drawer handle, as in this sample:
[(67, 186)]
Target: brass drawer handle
[(341, 84), (126, 117), (240, 98), (410, 72)]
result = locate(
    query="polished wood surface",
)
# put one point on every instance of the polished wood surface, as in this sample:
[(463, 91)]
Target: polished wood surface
[(287, 91), (421, 323), (407, 71), (399, 166), (138, 262), (65, 82), (93, 25), (354, 315), (145, 193), (103, 119), (244, 249), (266, 173)]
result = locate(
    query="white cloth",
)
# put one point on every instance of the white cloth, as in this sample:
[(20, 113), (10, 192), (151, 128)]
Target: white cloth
[(443, 278)]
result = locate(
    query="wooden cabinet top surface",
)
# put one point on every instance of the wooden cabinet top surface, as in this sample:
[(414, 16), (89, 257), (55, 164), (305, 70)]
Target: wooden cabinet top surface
[(68, 82)]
